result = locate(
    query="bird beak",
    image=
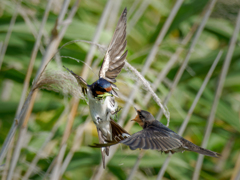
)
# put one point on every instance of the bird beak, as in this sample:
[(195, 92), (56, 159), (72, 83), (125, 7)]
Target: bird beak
[(136, 109), (136, 119), (133, 120), (109, 93)]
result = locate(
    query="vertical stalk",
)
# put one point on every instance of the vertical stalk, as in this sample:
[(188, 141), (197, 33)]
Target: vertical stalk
[(96, 37), (190, 112), (151, 57), (185, 62), (9, 32), (217, 96), (171, 62), (56, 170), (40, 151), (138, 14), (26, 83)]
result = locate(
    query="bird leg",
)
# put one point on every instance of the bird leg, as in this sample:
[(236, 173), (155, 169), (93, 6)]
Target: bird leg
[(116, 111)]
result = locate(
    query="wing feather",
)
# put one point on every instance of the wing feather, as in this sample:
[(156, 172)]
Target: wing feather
[(151, 139), (80, 81), (114, 59)]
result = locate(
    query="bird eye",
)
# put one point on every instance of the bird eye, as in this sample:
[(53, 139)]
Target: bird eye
[(141, 116)]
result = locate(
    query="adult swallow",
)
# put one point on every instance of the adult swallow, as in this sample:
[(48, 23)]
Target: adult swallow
[(158, 137), (101, 93)]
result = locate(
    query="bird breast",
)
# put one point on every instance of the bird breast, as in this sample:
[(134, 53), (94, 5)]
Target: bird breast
[(100, 110)]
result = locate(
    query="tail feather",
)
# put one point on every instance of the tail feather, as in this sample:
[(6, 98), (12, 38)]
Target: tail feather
[(104, 150), (207, 152), (193, 147)]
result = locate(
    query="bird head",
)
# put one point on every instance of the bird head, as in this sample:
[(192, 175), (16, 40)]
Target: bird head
[(102, 88), (142, 117)]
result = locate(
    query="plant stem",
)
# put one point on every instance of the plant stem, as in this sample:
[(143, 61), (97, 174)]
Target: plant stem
[(190, 112), (185, 62), (217, 96), (9, 32)]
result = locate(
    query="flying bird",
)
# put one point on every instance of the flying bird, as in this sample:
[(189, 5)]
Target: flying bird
[(158, 137), (101, 93)]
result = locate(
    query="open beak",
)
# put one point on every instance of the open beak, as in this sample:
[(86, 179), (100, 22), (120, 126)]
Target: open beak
[(136, 109), (136, 119), (110, 92)]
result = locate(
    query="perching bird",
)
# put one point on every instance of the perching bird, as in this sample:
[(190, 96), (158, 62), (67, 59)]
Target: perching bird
[(101, 93), (159, 137)]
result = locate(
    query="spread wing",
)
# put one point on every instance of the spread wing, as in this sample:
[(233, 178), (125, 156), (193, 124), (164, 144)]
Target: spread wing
[(113, 61), (118, 133), (152, 139), (80, 81)]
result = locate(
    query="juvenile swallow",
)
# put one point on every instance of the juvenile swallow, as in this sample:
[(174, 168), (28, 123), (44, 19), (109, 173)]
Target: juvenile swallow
[(158, 137), (101, 93)]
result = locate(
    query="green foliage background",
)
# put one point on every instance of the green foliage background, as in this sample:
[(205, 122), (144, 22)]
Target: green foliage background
[(140, 39)]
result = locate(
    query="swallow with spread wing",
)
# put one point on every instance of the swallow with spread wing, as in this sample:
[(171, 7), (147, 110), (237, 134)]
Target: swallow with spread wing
[(101, 93), (157, 136)]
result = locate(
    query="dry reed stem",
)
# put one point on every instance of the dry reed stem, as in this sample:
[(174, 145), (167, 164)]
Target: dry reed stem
[(26, 84), (8, 159), (151, 57), (190, 112), (33, 56), (9, 32), (224, 155), (133, 8), (102, 22), (113, 15), (31, 27), (76, 144), (135, 167), (57, 168), (236, 170), (138, 14), (63, 12), (174, 58), (24, 92), (147, 85), (40, 151), (217, 96), (21, 138), (31, 98), (185, 62)]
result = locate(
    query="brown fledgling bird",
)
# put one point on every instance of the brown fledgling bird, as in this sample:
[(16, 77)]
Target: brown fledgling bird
[(157, 136)]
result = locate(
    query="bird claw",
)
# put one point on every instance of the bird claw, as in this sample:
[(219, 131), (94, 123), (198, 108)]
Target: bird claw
[(117, 110)]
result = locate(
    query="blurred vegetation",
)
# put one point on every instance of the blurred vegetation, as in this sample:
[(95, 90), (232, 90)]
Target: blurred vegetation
[(140, 38)]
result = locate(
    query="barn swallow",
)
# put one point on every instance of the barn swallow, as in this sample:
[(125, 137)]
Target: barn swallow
[(158, 137), (101, 93)]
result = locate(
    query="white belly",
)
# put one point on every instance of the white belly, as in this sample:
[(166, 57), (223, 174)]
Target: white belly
[(101, 110)]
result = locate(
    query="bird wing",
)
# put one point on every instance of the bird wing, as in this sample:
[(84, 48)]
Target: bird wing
[(80, 81), (150, 138), (113, 61), (118, 133)]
